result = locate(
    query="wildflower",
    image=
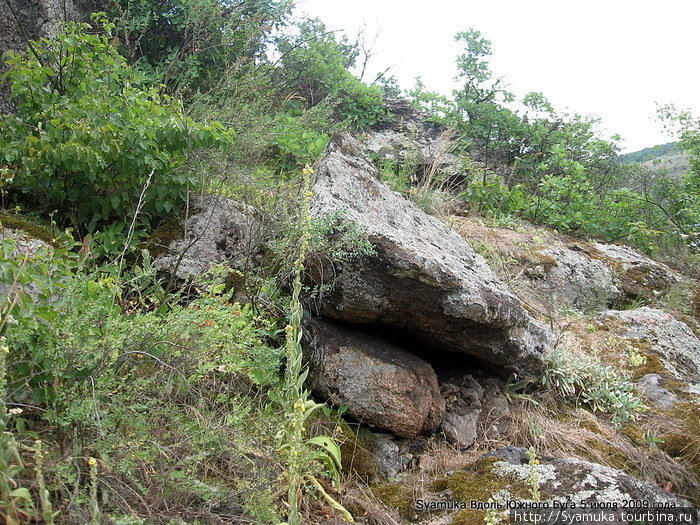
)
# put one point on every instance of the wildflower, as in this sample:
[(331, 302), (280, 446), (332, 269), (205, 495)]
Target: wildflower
[(92, 462), (308, 170), (15, 411)]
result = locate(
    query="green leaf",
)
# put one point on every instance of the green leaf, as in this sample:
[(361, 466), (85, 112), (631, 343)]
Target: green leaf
[(21, 493), (328, 444)]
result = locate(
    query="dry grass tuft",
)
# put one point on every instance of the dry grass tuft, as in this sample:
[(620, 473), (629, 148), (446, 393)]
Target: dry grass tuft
[(560, 431)]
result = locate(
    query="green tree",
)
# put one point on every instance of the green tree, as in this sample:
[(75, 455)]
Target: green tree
[(188, 44)]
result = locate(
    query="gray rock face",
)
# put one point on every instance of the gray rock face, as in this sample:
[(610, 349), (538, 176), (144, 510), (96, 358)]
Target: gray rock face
[(408, 137), (660, 333), (578, 480), (380, 383), (220, 230), (577, 280), (424, 279), (651, 387)]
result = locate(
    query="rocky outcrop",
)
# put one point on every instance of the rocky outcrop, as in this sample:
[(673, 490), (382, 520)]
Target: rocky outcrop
[(218, 231), (407, 137), (507, 479), (547, 270), (578, 480), (637, 275), (657, 334), (423, 280), (380, 383), (552, 271), (574, 279)]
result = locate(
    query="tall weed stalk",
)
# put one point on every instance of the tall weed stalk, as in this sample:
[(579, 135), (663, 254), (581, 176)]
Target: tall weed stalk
[(297, 403)]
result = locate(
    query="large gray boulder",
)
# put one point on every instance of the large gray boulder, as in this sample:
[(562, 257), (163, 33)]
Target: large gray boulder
[(218, 230), (380, 383), (423, 280)]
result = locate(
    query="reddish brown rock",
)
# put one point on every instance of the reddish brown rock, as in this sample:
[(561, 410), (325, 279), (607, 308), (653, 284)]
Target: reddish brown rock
[(380, 383)]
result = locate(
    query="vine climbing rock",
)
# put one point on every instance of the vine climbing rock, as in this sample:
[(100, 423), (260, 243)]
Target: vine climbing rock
[(423, 281)]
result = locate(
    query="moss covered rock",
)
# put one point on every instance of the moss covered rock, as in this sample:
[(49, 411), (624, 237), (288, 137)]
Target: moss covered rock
[(30, 228)]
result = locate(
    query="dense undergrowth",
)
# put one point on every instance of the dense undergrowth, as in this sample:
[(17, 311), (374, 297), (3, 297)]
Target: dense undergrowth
[(126, 400)]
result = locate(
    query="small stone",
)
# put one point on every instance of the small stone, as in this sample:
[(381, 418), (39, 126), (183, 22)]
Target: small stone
[(461, 429), (650, 386)]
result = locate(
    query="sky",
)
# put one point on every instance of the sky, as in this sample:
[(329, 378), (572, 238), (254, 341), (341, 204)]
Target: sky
[(614, 59)]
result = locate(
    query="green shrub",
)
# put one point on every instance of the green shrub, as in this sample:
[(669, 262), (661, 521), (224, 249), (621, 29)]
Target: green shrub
[(298, 141), (487, 193), (315, 66), (90, 129), (167, 396), (190, 44)]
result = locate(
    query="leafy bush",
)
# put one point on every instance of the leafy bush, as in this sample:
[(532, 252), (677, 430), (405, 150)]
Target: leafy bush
[(298, 141), (162, 393), (189, 44), (90, 131), (488, 193), (209, 336), (315, 66)]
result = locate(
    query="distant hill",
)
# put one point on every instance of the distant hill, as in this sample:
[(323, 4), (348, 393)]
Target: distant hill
[(669, 158), (646, 154)]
